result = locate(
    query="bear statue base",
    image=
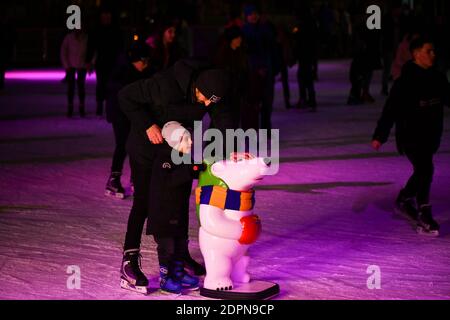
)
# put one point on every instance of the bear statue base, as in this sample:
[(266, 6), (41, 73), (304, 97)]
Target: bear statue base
[(254, 290)]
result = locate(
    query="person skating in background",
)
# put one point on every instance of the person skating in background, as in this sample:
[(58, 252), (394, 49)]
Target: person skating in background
[(415, 106), (183, 93), (104, 47), (306, 34), (232, 57), (73, 58), (130, 68), (366, 59), (165, 47), (284, 59), (259, 37)]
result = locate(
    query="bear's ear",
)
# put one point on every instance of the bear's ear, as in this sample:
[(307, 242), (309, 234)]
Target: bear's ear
[(217, 168)]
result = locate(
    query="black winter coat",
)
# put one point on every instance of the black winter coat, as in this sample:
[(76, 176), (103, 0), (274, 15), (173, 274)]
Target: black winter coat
[(105, 44), (415, 105), (170, 190), (123, 74)]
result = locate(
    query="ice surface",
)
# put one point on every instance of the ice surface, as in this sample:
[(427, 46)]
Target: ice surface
[(327, 216)]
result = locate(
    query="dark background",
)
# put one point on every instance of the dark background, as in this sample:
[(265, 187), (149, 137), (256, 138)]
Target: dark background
[(40, 25)]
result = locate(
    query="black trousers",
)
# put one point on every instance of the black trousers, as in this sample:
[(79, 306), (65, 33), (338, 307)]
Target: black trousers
[(260, 100), (267, 102), (360, 78), (2, 77), (305, 78), (419, 184), (285, 84), (367, 79), (387, 64), (121, 128), (102, 75), (141, 173), (251, 110), (80, 80)]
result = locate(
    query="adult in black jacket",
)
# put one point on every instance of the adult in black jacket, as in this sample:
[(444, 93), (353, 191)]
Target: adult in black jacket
[(183, 93), (165, 47), (104, 45), (415, 105), (129, 68), (260, 40), (232, 56), (306, 55)]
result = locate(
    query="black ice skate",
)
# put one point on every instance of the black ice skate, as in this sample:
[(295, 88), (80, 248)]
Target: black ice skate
[(425, 222), (114, 186), (406, 207), (131, 275)]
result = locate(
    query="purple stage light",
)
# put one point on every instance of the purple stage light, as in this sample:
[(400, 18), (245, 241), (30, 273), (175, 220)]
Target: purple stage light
[(41, 75)]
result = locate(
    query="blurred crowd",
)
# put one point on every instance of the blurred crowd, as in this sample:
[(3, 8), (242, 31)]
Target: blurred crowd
[(255, 48)]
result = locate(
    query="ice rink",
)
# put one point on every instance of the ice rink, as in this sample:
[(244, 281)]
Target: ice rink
[(327, 215)]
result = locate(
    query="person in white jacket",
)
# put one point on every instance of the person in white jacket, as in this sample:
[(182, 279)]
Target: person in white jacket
[(73, 58)]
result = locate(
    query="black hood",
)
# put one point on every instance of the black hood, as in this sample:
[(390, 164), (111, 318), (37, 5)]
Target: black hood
[(213, 84), (186, 71)]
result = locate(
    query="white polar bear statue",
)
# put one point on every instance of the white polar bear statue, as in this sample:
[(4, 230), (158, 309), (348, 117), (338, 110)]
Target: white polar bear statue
[(228, 226)]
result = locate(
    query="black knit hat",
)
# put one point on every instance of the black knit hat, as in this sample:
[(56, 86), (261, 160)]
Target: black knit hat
[(213, 84)]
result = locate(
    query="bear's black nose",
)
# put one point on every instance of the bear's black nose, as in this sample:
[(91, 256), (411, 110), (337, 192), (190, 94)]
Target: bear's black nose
[(267, 161)]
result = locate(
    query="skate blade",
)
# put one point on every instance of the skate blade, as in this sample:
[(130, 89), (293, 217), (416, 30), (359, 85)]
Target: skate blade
[(170, 294), (115, 195), (422, 231), (128, 286), (191, 288)]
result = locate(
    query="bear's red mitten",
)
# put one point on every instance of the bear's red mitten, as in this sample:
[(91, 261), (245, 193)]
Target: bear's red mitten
[(251, 228)]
